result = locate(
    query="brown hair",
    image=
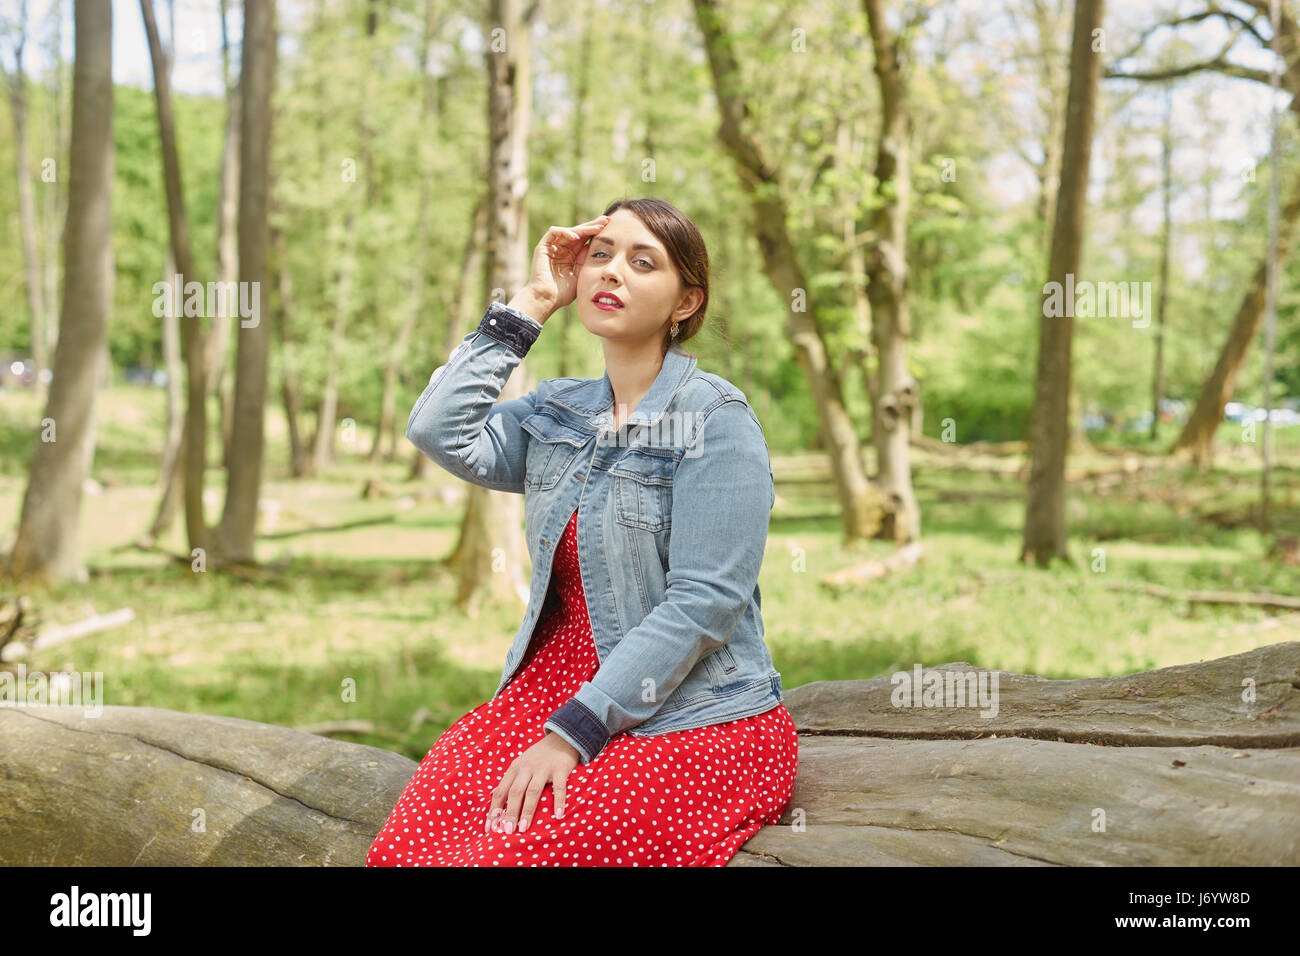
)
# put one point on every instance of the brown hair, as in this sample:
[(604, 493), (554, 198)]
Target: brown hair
[(685, 248)]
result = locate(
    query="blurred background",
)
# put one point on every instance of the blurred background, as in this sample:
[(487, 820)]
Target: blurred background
[(1008, 285)]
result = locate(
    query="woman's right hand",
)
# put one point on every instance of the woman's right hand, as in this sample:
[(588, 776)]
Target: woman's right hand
[(557, 259)]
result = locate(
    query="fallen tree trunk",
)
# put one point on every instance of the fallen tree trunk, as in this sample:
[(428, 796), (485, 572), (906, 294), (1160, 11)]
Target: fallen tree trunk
[(1173, 763), (1197, 764), (139, 786)]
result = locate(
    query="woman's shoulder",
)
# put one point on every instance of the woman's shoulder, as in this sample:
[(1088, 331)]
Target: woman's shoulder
[(704, 391)]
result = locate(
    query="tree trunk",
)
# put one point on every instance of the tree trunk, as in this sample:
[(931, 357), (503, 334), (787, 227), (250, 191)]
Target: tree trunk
[(290, 393), (227, 246), (493, 522), (192, 334), (887, 273), (46, 543), (238, 527), (171, 477), (1045, 531), (860, 504)]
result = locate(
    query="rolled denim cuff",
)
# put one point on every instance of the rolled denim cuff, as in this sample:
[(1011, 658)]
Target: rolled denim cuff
[(510, 327), (580, 727)]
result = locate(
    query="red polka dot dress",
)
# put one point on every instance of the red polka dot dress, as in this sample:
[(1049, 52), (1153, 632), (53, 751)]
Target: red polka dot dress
[(685, 798)]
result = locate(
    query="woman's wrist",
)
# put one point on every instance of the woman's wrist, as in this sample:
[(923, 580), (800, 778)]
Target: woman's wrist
[(532, 305)]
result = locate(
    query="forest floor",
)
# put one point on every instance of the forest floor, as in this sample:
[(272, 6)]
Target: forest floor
[(351, 595)]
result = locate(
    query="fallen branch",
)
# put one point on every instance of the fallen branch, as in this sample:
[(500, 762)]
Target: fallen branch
[(1279, 601), (63, 633), (902, 559)]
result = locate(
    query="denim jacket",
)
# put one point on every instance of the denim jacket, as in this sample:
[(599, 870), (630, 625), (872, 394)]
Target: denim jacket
[(672, 524)]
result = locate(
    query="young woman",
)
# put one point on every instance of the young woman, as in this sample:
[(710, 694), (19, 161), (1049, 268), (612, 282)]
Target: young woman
[(638, 721)]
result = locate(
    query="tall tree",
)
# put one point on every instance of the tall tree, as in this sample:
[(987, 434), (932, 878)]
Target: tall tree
[(861, 506), (227, 244), (493, 522), (46, 544), (1045, 532), (1050, 20), (192, 334), (238, 528), (895, 391)]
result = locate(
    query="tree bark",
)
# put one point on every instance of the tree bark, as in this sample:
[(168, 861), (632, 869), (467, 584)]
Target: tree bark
[(46, 543), (237, 535), (1045, 530)]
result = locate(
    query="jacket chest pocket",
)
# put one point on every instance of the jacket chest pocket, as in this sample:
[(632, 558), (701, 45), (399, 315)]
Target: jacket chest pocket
[(643, 495), (551, 449)]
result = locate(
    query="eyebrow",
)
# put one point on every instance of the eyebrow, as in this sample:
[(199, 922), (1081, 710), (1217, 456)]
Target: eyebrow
[(639, 245)]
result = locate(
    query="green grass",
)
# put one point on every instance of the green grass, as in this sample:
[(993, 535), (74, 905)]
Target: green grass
[(351, 595)]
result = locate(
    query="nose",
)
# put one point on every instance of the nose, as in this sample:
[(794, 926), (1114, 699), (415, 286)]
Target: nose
[(607, 272)]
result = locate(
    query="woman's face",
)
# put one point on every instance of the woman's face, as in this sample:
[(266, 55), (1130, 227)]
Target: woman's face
[(626, 260)]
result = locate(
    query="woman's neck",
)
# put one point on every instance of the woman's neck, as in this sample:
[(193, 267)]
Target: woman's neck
[(631, 373)]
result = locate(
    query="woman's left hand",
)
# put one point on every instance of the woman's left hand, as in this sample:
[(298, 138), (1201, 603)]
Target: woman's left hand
[(550, 760)]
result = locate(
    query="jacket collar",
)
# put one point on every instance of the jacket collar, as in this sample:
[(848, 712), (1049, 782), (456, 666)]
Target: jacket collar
[(594, 397)]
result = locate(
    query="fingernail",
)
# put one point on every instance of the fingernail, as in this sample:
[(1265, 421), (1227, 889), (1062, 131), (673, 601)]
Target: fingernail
[(523, 824), (510, 826)]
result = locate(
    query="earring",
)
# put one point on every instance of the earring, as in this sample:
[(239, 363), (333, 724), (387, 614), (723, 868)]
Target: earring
[(674, 330)]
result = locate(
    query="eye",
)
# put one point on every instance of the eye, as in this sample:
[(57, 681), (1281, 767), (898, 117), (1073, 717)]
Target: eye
[(649, 264)]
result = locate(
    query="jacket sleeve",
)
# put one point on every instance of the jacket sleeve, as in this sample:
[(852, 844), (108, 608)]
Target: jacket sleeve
[(720, 514), (457, 420)]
